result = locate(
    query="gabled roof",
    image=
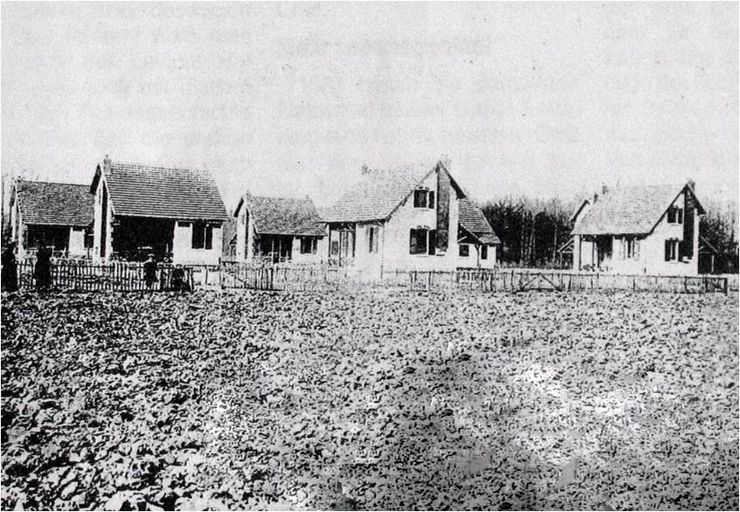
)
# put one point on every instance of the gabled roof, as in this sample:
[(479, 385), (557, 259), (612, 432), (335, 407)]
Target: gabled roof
[(379, 192), (147, 191), (60, 204), (471, 218), (631, 210), (282, 216)]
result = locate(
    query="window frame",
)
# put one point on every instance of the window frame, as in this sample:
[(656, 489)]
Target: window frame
[(372, 239), (421, 198), (463, 248), (415, 238), (201, 235)]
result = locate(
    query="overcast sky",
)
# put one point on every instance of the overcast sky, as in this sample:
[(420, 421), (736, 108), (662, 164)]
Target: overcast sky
[(292, 99)]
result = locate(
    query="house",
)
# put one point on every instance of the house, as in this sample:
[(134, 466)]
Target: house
[(639, 230), (57, 215), (278, 229), (141, 209), (477, 242), (405, 219)]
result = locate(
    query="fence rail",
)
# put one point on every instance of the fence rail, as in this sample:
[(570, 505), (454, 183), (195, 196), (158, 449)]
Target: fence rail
[(121, 276), (88, 277), (326, 278)]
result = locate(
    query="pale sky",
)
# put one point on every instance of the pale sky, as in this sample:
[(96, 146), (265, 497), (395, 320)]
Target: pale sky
[(292, 99)]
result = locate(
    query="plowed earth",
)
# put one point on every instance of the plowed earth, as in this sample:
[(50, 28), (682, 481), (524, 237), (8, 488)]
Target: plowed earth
[(370, 401)]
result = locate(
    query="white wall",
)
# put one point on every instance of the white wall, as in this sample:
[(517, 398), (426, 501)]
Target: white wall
[(76, 245), (310, 258), (182, 246), (474, 260)]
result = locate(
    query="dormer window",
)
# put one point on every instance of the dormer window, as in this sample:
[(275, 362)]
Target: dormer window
[(675, 215), (423, 199)]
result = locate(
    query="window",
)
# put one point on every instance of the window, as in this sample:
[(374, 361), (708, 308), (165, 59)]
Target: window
[(420, 198), (202, 235), (675, 215), (431, 199), (308, 245), (334, 247), (372, 239), (484, 252), (418, 241), (464, 250), (88, 238), (671, 250)]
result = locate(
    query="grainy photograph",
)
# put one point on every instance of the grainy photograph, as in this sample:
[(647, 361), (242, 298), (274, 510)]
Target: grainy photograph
[(369, 256)]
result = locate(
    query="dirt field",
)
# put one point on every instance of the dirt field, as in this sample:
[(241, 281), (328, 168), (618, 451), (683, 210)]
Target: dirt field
[(374, 400)]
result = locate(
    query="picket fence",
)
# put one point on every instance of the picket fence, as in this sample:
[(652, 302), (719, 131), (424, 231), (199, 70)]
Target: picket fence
[(88, 277), (124, 276)]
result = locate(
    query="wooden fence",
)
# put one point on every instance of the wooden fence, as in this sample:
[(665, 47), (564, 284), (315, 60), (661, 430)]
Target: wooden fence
[(333, 278), (87, 277), (122, 276)]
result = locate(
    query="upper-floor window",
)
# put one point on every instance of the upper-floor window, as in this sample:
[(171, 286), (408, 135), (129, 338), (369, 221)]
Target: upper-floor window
[(202, 235), (422, 241), (464, 250), (372, 239), (675, 215), (423, 199)]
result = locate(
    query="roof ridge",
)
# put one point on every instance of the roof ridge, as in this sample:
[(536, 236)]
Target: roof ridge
[(163, 168)]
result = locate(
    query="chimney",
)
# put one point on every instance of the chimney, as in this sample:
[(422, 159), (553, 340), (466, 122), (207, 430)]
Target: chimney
[(596, 197), (106, 164), (604, 189), (692, 185)]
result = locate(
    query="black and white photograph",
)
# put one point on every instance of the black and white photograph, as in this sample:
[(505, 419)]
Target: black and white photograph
[(369, 255)]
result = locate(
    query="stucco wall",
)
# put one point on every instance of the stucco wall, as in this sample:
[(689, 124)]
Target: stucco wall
[(182, 246), (474, 260), (77, 242), (309, 258)]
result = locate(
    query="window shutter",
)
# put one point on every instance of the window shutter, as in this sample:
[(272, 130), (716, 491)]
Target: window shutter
[(209, 237), (432, 240), (412, 242), (668, 250), (431, 199)]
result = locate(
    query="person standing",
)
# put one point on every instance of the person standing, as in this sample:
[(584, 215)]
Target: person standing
[(150, 271), (43, 268), (10, 269)]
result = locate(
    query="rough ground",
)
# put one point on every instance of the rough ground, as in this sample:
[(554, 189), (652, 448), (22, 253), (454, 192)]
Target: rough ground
[(373, 400)]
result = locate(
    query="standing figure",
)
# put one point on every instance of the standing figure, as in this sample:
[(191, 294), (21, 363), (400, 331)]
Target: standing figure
[(150, 271), (42, 272), (10, 269), (178, 279)]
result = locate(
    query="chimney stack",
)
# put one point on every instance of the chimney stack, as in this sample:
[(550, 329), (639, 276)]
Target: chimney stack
[(692, 185)]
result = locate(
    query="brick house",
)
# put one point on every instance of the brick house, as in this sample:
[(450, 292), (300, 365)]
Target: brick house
[(639, 230), (57, 215), (141, 209)]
